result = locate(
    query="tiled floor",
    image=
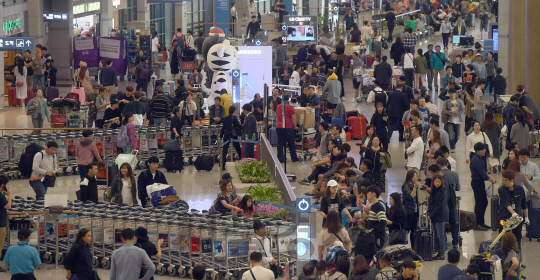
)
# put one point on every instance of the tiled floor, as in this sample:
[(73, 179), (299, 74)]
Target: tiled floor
[(199, 188)]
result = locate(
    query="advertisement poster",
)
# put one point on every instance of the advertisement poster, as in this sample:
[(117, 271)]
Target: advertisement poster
[(174, 242), (222, 15), (219, 248), (184, 244), (195, 244), (85, 49), (109, 48), (238, 249), (206, 245)]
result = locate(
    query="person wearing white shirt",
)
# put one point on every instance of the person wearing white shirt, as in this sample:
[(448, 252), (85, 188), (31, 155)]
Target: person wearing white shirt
[(416, 150), (475, 137), (155, 46), (366, 30), (190, 43), (408, 66), (257, 271), (528, 168), (252, 9), (372, 94), (234, 16), (295, 76), (259, 243), (446, 28)]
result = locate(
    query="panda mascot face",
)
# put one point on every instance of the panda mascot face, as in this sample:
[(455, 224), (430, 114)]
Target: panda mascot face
[(222, 57)]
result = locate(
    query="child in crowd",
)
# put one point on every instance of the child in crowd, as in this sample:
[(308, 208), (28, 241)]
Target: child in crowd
[(247, 206), (345, 221)]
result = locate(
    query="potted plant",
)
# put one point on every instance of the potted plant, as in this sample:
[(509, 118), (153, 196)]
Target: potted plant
[(269, 194)]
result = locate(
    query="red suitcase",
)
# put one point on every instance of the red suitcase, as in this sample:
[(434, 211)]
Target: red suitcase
[(29, 96), (256, 150), (349, 136), (357, 127), (12, 97)]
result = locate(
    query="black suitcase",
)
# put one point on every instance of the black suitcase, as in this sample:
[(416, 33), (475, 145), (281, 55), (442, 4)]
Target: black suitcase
[(494, 209), (205, 162), (173, 161)]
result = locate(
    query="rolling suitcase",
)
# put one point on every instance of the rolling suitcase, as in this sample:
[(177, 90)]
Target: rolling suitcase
[(494, 209), (29, 96), (82, 94), (377, 47), (533, 229), (173, 161), (273, 136), (355, 128), (425, 244), (52, 93), (12, 97)]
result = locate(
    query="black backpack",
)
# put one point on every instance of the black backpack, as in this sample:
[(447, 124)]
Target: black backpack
[(27, 159), (365, 245)]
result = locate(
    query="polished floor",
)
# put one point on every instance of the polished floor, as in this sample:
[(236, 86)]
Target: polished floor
[(199, 189)]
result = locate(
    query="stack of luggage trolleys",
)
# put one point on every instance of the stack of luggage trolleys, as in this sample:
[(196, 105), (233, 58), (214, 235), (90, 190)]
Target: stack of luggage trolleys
[(221, 242), (199, 140)]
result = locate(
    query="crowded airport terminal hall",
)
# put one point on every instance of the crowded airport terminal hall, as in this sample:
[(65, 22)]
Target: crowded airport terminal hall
[(270, 140)]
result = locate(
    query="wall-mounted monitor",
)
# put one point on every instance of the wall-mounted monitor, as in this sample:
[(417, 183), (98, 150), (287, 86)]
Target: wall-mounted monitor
[(297, 33)]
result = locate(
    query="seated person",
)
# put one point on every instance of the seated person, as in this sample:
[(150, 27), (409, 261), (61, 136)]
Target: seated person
[(226, 201), (113, 115), (216, 111)]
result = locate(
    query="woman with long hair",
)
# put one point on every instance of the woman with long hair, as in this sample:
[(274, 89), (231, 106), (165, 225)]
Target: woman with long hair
[(520, 131), (435, 142), (409, 190), (81, 78), (493, 132), (127, 122), (341, 271), (397, 50), (375, 153), (366, 142), (175, 55), (332, 229), (332, 202), (176, 123), (124, 187), (226, 201), (469, 102), (380, 121), (41, 111), (362, 270), (78, 261), (439, 212), (512, 155), (340, 47), (396, 214), (20, 80), (512, 257), (355, 34), (246, 204)]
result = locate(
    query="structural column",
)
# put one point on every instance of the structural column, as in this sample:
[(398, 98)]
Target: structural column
[(516, 44), (106, 17), (61, 39), (503, 36), (532, 66), (36, 27), (143, 12)]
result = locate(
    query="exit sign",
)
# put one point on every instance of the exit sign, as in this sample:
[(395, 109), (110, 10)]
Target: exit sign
[(12, 25)]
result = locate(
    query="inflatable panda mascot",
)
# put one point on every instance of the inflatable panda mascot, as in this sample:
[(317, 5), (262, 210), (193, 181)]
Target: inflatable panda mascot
[(221, 58)]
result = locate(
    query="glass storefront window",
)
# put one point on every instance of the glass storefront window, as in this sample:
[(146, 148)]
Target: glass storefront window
[(129, 13), (196, 16)]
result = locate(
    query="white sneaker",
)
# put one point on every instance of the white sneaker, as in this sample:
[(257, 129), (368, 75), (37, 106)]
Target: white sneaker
[(352, 101)]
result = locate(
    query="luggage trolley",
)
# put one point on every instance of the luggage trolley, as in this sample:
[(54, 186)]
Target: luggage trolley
[(237, 242), (143, 147), (163, 233), (187, 145)]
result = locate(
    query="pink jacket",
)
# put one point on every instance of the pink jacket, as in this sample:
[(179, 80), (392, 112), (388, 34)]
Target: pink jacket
[(87, 151), (132, 137)]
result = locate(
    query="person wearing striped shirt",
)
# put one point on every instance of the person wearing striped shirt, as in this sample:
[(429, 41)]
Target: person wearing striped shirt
[(160, 108), (376, 222)]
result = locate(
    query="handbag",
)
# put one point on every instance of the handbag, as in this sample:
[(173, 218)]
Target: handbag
[(487, 148), (49, 181), (30, 112), (19, 84), (398, 236), (10, 78)]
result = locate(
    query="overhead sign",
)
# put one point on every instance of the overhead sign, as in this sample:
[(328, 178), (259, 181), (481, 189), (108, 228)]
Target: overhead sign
[(85, 8), (13, 24), (291, 20), (303, 205), (55, 17), (11, 43)]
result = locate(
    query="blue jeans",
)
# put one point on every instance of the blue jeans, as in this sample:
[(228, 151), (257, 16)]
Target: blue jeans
[(39, 189), (453, 133), (160, 121), (39, 79), (440, 238)]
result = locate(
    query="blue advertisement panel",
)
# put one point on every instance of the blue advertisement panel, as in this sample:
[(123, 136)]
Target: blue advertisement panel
[(222, 16)]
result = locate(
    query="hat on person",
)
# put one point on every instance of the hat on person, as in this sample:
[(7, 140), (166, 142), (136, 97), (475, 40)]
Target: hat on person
[(332, 183), (226, 176), (408, 264), (153, 159), (478, 54), (520, 87), (114, 101), (141, 234), (258, 225)]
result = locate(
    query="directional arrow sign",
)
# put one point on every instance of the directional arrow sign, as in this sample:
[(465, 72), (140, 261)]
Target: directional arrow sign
[(284, 27), (265, 33), (336, 8), (11, 43), (303, 204), (258, 42)]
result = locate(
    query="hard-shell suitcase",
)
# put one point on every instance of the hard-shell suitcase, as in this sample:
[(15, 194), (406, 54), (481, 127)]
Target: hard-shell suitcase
[(273, 136), (131, 159), (494, 209), (29, 96), (52, 93), (355, 128), (425, 244), (349, 136), (337, 121), (12, 97), (82, 94), (533, 229), (377, 47), (363, 126), (173, 161)]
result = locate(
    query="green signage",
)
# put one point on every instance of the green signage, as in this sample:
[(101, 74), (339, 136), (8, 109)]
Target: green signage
[(12, 25)]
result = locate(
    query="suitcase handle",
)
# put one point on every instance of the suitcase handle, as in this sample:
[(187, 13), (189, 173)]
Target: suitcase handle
[(135, 152)]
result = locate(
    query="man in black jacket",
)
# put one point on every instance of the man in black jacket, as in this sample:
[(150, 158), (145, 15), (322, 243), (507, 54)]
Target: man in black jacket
[(397, 105), (383, 73), (253, 27), (149, 177), (249, 132), (390, 19), (409, 93), (88, 186)]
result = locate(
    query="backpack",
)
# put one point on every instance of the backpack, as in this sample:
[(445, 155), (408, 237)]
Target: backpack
[(180, 39), (334, 254), (380, 96), (123, 139), (27, 159), (145, 72)]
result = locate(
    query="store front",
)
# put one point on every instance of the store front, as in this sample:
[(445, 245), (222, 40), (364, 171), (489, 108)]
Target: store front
[(86, 19)]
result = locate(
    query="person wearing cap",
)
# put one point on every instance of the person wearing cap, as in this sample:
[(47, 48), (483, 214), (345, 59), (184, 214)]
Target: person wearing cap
[(149, 177), (527, 104), (143, 242), (113, 115), (408, 271), (332, 202), (260, 243), (479, 67), (23, 259), (126, 261), (452, 110), (228, 177)]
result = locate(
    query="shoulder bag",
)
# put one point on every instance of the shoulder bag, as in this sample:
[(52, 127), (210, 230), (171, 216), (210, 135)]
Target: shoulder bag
[(252, 275), (273, 267), (487, 147)]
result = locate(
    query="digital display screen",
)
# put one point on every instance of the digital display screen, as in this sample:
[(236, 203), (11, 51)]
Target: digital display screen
[(455, 38), (300, 33), (495, 40)]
